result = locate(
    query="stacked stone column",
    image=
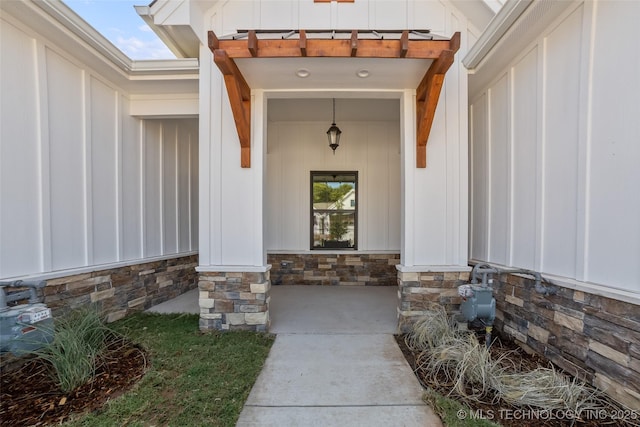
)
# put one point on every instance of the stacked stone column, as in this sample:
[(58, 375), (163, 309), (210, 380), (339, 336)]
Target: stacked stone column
[(234, 301), (420, 292)]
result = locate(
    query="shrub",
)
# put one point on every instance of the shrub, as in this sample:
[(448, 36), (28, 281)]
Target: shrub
[(80, 337)]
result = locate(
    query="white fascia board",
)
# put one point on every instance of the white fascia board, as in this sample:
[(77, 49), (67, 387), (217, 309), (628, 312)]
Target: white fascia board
[(496, 29), (182, 66), (166, 105), (170, 12), (79, 27)]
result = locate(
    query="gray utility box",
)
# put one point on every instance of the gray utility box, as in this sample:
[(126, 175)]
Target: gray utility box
[(25, 327), (478, 303)]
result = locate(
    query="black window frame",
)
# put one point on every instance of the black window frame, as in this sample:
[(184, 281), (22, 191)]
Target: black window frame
[(353, 211)]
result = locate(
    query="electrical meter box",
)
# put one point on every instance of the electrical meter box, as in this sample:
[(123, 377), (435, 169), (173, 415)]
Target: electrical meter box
[(25, 328)]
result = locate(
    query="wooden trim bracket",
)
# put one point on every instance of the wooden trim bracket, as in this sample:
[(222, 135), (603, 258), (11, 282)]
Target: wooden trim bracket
[(427, 95), (240, 98)]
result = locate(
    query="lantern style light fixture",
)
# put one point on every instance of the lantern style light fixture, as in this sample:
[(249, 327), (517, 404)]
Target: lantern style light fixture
[(334, 131)]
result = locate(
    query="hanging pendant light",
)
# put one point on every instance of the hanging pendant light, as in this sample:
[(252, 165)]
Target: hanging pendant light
[(334, 131)]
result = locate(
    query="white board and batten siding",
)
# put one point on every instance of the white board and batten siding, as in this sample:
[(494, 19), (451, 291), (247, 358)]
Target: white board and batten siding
[(361, 14), (555, 149), (82, 183), (296, 148)]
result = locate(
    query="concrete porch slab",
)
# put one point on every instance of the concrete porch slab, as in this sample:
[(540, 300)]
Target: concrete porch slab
[(333, 310)]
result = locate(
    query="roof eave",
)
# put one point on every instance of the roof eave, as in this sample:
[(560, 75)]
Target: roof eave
[(495, 30), (180, 39), (80, 28)]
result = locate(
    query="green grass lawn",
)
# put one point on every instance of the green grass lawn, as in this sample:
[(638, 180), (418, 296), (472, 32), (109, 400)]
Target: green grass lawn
[(455, 414), (194, 379)]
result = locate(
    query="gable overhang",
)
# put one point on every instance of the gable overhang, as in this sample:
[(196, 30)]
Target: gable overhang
[(401, 59)]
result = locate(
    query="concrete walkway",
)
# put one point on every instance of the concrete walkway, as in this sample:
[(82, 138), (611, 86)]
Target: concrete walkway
[(185, 303), (334, 362)]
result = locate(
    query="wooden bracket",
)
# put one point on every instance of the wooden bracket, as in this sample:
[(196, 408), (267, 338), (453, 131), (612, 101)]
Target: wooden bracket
[(240, 98), (427, 95)]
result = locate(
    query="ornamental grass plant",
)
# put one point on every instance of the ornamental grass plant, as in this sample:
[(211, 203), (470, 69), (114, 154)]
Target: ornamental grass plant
[(79, 339), (454, 360)]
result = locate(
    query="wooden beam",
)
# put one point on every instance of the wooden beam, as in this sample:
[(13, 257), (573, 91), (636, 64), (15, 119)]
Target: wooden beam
[(427, 95), (404, 44), (303, 43), (337, 47), (240, 99), (354, 43), (252, 43), (454, 42), (212, 41)]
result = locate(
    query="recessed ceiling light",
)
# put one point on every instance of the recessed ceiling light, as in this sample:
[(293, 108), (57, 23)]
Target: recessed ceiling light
[(363, 74), (302, 73)]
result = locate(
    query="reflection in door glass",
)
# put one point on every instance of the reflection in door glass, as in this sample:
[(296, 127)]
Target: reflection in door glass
[(334, 210)]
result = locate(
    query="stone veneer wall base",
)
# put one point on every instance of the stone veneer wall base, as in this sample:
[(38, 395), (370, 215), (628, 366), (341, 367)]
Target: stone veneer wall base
[(118, 292), (334, 269), (594, 338)]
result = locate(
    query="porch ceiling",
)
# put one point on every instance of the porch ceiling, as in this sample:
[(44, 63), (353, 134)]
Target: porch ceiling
[(327, 59), (331, 73)]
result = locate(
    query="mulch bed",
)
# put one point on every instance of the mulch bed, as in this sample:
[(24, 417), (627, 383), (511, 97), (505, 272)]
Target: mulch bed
[(510, 416), (29, 397)]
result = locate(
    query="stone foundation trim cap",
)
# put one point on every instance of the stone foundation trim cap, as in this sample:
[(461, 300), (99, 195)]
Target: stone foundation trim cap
[(233, 268), (432, 268), (74, 274)]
